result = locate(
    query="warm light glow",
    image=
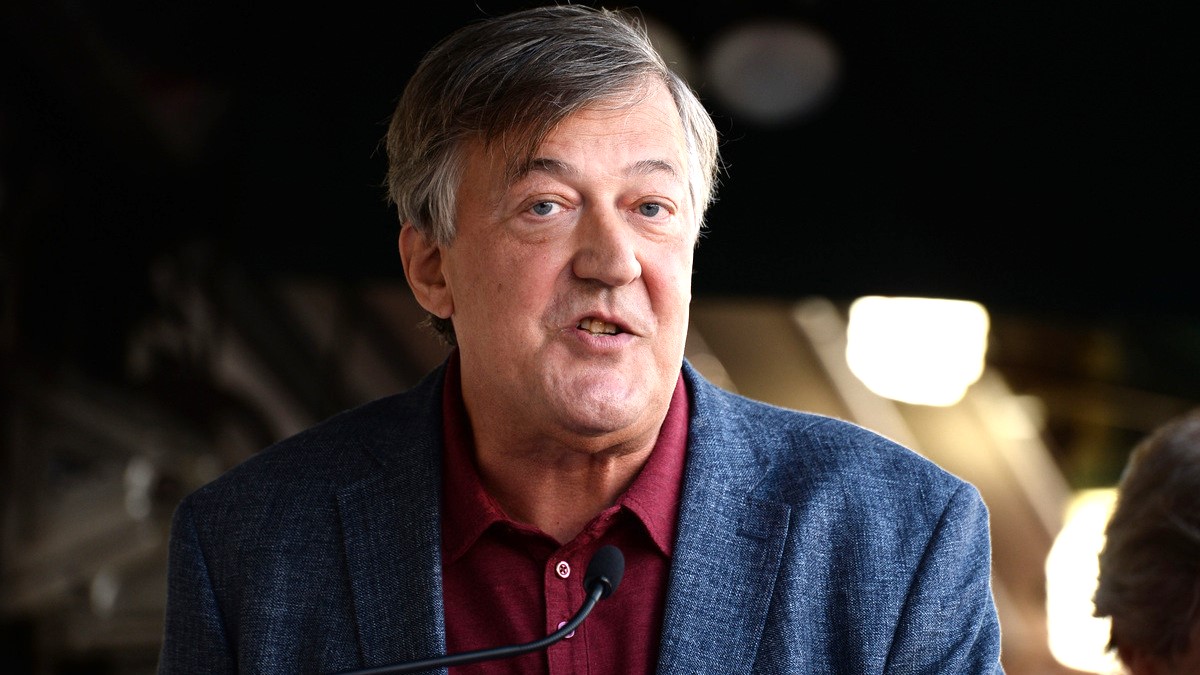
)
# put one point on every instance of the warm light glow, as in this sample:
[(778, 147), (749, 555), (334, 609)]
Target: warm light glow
[(917, 350), (1077, 639)]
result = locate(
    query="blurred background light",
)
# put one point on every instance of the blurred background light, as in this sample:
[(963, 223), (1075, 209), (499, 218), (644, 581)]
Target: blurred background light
[(772, 72), (1077, 638), (917, 350), (674, 49)]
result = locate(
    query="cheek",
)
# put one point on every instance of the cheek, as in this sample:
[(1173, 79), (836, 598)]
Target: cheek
[(474, 281), (671, 274), (511, 281)]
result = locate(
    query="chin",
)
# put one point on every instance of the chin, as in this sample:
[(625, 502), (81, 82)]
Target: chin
[(601, 415)]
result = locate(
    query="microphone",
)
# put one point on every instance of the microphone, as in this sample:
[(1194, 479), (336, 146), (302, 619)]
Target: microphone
[(604, 573)]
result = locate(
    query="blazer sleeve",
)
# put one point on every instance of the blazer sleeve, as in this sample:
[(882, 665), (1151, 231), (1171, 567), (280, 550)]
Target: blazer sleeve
[(194, 635), (948, 623)]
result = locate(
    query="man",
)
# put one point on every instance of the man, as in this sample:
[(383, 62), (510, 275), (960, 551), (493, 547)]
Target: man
[(551, 175), (1150, 565)]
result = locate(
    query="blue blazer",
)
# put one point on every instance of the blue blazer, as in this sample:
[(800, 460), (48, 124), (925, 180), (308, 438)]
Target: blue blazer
[(806, 544)]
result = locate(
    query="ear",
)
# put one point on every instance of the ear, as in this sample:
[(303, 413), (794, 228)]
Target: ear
[(422, 260)]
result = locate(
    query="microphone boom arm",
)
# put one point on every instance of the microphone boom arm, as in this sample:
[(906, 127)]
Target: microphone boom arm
[(603, 576), (464, 658)]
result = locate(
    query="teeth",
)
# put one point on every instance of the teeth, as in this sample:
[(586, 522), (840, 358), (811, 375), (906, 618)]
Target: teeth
[(597, 327)]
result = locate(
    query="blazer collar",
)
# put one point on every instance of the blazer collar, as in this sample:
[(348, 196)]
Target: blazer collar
[(391, 528), (728, 550)]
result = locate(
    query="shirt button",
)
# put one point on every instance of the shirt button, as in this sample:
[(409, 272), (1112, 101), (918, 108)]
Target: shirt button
[(563, 623), (563, 569)]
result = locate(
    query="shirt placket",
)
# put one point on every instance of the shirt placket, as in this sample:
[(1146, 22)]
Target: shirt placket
[(564, 596)]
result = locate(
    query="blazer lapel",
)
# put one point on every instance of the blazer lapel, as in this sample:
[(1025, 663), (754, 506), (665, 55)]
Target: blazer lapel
[(393, 555), (727, 553)]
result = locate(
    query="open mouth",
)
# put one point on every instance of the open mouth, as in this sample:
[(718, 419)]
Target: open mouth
[(598, 327)]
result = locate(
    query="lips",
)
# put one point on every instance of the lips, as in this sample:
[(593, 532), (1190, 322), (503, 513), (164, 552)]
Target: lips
[(598, 327)]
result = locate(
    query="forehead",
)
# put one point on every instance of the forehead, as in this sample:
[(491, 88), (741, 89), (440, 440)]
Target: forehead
[(644, 119)]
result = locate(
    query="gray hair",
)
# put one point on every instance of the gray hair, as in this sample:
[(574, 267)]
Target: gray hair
[(1149, 579), (511, 79)]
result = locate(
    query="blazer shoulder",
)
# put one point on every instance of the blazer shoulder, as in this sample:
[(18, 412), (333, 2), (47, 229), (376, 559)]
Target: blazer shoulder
[(792, 451), (346, 447)]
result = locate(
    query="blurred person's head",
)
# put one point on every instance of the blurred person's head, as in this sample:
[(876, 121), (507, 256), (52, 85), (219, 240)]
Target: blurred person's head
[(1149, 583)]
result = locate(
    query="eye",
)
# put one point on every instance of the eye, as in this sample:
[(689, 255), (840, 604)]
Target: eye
[(650, 209), (543, 208)]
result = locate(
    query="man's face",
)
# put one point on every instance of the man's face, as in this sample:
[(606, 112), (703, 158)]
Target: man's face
[(569, 286)]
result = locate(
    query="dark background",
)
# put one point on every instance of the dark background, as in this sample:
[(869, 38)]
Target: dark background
[(1039, 157)]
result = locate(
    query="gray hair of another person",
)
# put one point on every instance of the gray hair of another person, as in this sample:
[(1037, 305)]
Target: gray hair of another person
[(1149, 582)]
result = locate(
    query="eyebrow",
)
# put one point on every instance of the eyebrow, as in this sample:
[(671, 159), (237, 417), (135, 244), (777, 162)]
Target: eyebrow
[(556, 167)]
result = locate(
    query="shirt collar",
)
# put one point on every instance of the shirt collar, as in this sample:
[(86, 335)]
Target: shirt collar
[(468, 510)]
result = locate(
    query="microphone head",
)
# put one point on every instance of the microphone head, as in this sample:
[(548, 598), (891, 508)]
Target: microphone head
[(606, 567)]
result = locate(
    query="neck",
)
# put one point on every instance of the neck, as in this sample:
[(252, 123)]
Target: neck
[(558, 491)]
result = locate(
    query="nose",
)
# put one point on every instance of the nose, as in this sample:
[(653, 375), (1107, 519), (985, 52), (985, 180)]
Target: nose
[(606, 249)]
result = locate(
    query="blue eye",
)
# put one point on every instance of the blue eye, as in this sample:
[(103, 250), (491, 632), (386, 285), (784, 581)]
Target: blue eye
[(543, 208), (650, 210)]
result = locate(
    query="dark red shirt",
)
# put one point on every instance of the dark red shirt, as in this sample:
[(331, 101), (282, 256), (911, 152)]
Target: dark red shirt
[(506, 582)]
